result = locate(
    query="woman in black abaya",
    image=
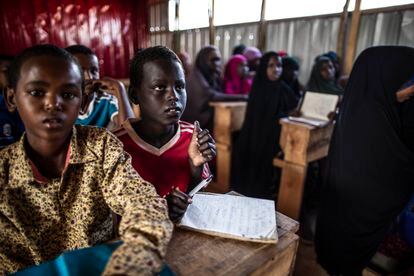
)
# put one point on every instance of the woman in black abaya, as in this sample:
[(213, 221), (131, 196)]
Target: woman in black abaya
[(252, 172), (370, 162)]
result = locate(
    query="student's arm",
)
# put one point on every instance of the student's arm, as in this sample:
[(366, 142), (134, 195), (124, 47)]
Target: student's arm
[(201, 150), (117, 88), (145, 228)]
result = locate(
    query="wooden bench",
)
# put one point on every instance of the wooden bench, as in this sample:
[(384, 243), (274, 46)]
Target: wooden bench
[(193, 253)]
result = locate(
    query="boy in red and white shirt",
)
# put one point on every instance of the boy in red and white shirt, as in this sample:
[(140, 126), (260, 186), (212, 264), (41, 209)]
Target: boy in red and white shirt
[(169, 153)]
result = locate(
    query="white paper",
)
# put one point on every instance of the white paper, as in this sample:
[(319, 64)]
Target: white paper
[(309, 121), (238, 216), (318, 105)]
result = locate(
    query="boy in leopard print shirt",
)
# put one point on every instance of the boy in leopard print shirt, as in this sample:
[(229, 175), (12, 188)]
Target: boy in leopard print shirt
[(60, 182)]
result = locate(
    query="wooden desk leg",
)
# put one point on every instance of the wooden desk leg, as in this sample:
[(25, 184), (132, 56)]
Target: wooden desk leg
[(223, 168), (289, 199)]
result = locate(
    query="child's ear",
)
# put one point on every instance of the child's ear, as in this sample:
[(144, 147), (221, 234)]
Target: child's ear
[(10, 99), (132, 94)]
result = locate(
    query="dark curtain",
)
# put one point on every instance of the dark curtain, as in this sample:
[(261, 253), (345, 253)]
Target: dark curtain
[(113, 29)]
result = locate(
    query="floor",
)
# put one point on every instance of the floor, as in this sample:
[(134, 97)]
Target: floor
[(306, 261)]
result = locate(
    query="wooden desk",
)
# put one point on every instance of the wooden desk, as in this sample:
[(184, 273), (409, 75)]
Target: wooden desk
[(300, 144), (192, 253), (228, 117)]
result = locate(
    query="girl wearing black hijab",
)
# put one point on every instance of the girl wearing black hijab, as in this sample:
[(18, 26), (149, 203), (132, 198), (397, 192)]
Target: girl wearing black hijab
[(252, 172), (290, 75), (370, 162), (322, 77)]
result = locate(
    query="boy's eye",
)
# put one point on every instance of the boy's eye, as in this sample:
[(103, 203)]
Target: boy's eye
[(36, 93), (159, 88), (180, 86), (68, 95)]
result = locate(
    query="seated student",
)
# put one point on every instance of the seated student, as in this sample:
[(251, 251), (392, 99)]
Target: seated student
[(322, 77), (252, 172), (60, 182), (169, 153), (239, 49), (236, 76), (335, 62), (105, 101), (204, 86), (11, 126), (290, 75), (253, 56), (370, 162)]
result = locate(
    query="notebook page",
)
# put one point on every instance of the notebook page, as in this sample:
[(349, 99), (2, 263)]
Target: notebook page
[(318, 105), (244, 217)]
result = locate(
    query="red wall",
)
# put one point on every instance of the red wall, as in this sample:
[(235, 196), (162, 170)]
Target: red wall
[(113, 29)]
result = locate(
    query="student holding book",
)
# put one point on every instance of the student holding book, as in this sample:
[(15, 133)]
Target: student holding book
[(322, 77), (60, 182), (170, 153), (370, 161)]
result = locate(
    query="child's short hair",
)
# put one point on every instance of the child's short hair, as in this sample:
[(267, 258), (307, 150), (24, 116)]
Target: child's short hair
[(35, 51), (6, 57), (143, 56), (80, 49)]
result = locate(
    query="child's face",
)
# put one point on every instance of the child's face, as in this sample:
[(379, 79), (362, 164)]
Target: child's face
[(274, 68), (328, 71), (90, 66), (47, 97), (161, 95), (243, 69), (214, 60)]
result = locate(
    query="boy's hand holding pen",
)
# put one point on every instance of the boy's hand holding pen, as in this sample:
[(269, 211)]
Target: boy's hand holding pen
[(178, 202), (202, 149)]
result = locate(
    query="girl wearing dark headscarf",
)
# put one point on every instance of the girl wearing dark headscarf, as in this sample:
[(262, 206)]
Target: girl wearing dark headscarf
[(204, 86), (252, 172), (322, 77), (290, 75), (370, 162)]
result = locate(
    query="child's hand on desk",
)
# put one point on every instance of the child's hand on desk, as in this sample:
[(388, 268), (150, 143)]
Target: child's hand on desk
[(177, 204), (202, 147)]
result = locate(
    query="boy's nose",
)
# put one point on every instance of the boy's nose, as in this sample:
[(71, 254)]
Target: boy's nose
[(172, 94), (53, 103)]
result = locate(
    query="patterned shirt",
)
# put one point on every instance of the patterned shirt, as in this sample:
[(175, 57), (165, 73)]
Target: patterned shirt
[(38, 221)]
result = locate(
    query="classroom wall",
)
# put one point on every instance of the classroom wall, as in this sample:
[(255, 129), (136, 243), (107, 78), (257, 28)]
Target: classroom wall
[(303, 38), (113, 29)]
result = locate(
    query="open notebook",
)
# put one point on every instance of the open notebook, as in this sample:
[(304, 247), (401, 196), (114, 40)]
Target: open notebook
[(315, 108), (231, 216)]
